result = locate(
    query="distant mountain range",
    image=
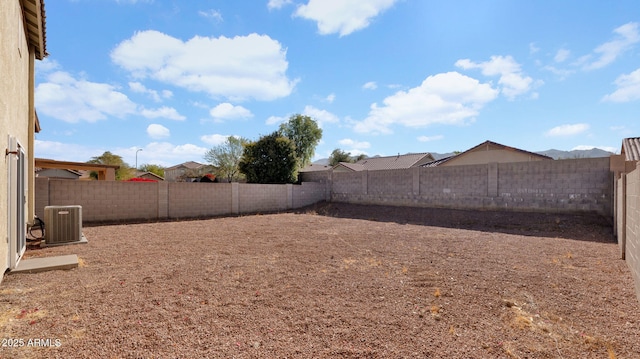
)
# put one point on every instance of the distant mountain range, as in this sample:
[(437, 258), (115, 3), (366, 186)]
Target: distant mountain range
[(555, 154), (592, 153)]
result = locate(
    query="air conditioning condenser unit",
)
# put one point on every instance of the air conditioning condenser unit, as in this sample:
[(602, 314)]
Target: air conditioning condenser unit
[(63, 224)]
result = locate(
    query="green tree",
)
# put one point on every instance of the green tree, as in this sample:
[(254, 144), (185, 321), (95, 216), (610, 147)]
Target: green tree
[(155, 169), (123, 173), (338, 156), (305, 134), (360, 157), (271, 159), (226, 157)]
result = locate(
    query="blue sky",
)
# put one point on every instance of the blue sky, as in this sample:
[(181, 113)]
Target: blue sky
[(382, 77)]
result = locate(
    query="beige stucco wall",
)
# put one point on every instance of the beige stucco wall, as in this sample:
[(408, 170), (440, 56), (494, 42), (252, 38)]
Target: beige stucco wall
[(491, 156), (14, 100)]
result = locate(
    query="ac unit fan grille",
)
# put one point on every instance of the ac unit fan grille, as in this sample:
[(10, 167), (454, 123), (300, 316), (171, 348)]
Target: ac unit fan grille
[(63, 224)]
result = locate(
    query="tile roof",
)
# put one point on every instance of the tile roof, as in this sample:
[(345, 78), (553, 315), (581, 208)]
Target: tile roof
[(190, 165), (394, 162), (315, 168), (351, 166), (485, 143), (36, 26), (631, 148), (507, 148), (436, 163)]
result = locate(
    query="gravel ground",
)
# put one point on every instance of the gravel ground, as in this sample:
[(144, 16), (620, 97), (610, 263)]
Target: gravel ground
[(333, 280)]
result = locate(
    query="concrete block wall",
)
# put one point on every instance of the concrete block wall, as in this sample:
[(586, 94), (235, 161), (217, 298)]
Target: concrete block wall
[(308, 193), (190, 200), (580, 185), (262, 197), (390, 182), (346, 183), (115, 201), (620, 214), (102, 200), (632, 252), (455, 181), (42, 196)]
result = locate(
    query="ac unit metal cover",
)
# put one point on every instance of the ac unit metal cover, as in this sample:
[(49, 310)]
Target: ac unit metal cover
[(63, 224)]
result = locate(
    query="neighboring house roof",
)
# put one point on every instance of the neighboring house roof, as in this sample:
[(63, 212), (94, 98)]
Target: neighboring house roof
[(36, 26), (47, 163), (192, 165), (495, 144), (631, 149), (348, 166), (43, 172), (105, 170), (389, 162), (436, 163), (315, 168), (486, 145), (150, 175)]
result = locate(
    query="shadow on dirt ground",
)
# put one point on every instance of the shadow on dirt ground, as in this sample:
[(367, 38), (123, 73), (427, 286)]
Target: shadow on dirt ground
[(584, 227)]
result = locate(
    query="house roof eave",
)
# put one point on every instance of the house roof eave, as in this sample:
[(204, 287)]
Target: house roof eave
[(35, 26)]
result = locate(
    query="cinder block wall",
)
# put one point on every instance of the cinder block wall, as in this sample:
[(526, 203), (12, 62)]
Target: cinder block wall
[(308, 193), (115, 201), (579, 185), (632, 252), (262, 197), (198, 199), (102, 200)]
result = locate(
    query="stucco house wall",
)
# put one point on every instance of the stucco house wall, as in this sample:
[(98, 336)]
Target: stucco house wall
[(17, 115), (490, 152)]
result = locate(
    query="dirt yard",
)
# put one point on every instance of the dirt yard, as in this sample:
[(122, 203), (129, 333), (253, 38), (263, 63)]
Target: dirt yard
[(334, 280)]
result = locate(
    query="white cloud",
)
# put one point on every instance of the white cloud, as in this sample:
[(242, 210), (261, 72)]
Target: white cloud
[(512, 80), (355, 144), (330, 98), (168, 154), (215, 15), (138, 87), (238, 68), (342, 16), (72, 100), (430, 138), (562, 73), (562, 55), (162, 112), (626, 36), (628, 88), (156, 131), (275, 120), (587, 147), (567, 130), (353, 147), (447, 98), (533, 48), (227, 111), (277, 4), (214, 139), (321, 116), (371, 85), (65, 151), (46, 65), (161, 153)]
